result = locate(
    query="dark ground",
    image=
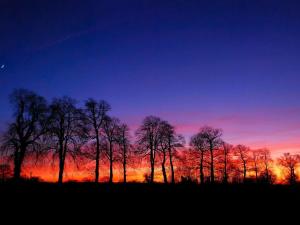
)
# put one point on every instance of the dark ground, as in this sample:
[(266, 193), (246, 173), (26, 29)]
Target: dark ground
[(157, 202)]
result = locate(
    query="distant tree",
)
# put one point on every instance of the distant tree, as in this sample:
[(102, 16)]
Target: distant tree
[(213, 139), (290, 162), (199, 144), (23, 136), (95, 112), (5, 171), (147, 137), (256, 162), (110, 130), (226, 150), (187, 162), (243, 154), (68, 131), (265, 157), (123, 140)]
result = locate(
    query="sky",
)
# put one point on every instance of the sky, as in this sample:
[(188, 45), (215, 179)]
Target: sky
[(228, 64)]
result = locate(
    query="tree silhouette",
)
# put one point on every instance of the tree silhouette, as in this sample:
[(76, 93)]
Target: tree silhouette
[(199, 144), (123, 140), (226, 150), (265, 157), (168, 142), (148, 140), (110, 131), (95, 114), (290, 162), (5, 171), (65, 129), (243, 154), (30, 123), (68, 131), (256, 162), (213, 139)]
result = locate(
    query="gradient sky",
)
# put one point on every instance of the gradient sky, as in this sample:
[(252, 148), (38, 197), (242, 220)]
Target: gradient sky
[(228, 64)]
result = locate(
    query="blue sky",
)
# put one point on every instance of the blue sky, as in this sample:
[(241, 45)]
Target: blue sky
[(195, 62)]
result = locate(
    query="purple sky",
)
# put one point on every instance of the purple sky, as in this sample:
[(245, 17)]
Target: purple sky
[(229, 64)]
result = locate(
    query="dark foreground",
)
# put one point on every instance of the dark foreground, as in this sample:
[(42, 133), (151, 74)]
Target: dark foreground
[(151, 202)]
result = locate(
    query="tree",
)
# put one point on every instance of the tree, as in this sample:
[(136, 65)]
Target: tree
[(5, 171), (168, 142), (227, 149), (30, 123), (163, 146), (148, 140), (242, 152), (68, 131), (213, 139), (173, 141), (290, 162), (110, 131), (199, 144), (95, 113), (266, 159), (256, 162), (123, 140)]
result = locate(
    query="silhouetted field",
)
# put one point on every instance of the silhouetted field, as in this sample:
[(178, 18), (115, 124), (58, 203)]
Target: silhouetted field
[(141, 199)]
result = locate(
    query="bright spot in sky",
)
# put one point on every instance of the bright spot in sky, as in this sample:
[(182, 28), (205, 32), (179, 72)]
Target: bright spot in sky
[(2, 66)]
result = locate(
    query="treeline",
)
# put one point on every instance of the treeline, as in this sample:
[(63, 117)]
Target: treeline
[(67, 131)]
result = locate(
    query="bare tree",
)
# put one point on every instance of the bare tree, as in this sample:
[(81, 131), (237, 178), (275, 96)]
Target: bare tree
[(163, 147), (266, 160), (67, 131), (242, 152), (199, 144), (213, 139), (290, 162), (123, 140), (95, 113), (5, 171), (168, 142), (173, 141), (148, 140), (110, 131), (256, 162), (30, 123), (226, 150)]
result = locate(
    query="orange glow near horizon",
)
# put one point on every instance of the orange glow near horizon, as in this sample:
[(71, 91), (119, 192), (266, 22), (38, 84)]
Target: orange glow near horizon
[(135, 173)]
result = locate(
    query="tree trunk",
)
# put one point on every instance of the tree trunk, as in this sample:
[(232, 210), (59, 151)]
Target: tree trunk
[(124, 173), (61, 171), (201, 168), (18, 161), (212, 172), (293, 176), (267, 173), (172, 167), (17, 168), (97, 158), (164, 168), (225, 181), (111, 175), (256, 172), (124, 164), (152, 162), (245, 171), (62, 156)]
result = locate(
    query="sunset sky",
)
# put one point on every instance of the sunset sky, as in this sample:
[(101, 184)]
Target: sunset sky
[(228, 64)]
